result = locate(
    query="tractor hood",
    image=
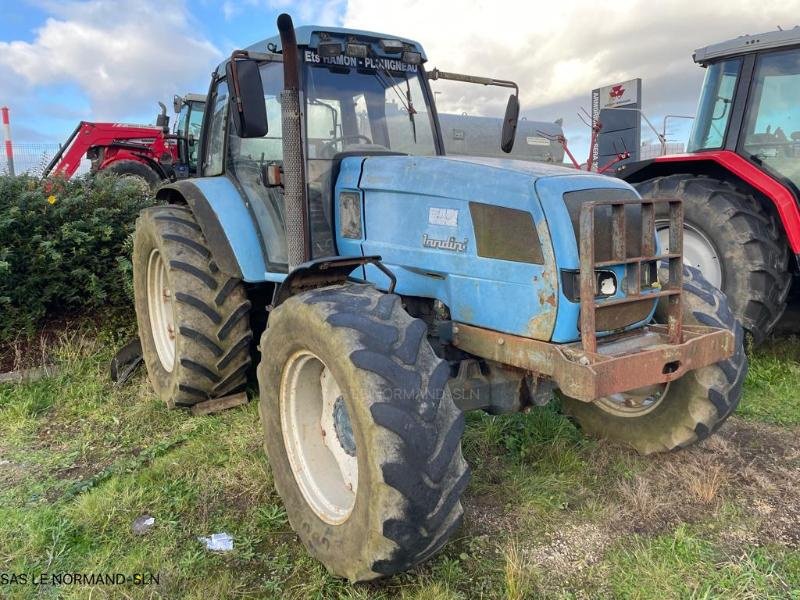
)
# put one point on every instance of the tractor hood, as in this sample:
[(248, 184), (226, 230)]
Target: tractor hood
[(408, 172), (481, 234)]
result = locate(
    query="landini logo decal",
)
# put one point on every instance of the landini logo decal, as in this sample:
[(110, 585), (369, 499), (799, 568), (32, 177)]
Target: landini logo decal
[(449, 244)]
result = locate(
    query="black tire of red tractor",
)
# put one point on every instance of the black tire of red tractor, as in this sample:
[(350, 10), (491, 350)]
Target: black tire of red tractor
[(211, 311), (137, 170), (411, 472), (696, 404), (750, 243)]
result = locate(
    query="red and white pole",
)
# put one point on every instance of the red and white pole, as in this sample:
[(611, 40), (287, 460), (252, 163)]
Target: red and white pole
[(7, 133)]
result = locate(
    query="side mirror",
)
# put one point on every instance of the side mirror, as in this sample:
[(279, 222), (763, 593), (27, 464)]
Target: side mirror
[(177, 103), (510, 124), (248, 109)]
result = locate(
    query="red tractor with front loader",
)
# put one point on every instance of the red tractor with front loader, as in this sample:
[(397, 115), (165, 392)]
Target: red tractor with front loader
[(740, 176), (149, 153)]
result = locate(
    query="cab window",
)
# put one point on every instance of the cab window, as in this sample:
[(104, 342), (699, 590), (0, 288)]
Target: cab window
[(772, 126)]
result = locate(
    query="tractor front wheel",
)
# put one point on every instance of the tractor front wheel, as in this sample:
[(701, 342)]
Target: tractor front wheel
[(362, 435), (675, 415)]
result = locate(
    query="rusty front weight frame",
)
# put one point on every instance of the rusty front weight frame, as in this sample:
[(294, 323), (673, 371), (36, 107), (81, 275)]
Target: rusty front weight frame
[(633, 271), (648, 355)]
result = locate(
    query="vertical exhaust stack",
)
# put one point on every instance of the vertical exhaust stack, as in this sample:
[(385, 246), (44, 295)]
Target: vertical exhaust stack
[(297, 234)]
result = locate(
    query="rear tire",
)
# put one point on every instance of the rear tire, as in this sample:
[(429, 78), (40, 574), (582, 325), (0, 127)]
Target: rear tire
[(204, 312), (692, 407), (403, 431), (752, 251)]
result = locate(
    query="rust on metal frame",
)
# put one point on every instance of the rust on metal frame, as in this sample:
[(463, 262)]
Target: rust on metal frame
[(621, 363), (633, 265)]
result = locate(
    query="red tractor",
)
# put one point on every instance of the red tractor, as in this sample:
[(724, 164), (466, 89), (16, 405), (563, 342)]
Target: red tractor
[(740, 176), (149, 153)]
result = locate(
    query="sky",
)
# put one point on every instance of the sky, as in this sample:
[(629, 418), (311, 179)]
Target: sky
[(62, 61)]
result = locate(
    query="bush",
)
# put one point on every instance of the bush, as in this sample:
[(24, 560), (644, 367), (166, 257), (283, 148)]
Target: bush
[(64, 247)]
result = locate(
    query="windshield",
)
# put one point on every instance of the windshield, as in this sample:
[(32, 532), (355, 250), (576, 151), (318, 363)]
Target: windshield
[(351, 108), (772, 126), (714, 110)]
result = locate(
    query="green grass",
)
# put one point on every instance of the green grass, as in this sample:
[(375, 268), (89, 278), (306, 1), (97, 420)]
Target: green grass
[(547, 511), (772, 388)]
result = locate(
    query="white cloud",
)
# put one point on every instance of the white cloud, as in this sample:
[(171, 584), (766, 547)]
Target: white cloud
[(122, 54), (559, 51)]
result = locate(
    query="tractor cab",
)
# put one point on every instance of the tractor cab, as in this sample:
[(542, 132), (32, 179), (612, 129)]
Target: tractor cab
[(748, 103), (361, 94), (189, 110)]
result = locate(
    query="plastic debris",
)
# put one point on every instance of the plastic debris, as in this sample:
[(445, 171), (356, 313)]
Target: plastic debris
[(218, 542), (143, 524)]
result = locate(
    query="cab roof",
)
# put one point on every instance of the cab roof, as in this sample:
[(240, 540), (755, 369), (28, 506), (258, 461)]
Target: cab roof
[(747, 44), (309, 36)]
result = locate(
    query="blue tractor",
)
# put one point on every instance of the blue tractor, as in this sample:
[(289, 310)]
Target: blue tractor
[(391, 288)]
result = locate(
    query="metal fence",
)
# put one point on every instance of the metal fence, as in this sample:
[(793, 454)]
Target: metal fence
[(33, 158)]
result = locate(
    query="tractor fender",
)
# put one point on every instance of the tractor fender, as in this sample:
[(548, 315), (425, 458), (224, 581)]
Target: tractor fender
[(727, 166), (226, 223), (321, 272)]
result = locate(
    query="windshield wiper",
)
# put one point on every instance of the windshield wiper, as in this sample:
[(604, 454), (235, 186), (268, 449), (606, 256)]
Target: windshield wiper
[(406, 102)]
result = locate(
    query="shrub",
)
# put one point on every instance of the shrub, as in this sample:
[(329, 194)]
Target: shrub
[(64, 247)]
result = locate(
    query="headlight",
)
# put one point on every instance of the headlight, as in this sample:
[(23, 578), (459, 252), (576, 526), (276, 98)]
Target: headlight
[(606, 283)]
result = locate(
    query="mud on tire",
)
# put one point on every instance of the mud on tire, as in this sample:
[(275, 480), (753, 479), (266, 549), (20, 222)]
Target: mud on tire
[(210, 311), (751, 247), (695, 405), (406, 429)]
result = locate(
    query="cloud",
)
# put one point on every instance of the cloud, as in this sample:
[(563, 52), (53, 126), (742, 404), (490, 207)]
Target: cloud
[(121, 54), (559, 51)]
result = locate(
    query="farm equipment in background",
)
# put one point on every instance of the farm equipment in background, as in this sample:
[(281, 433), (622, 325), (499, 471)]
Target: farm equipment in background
[(473, 135), (149, 153), (740, 176), (388, 287)]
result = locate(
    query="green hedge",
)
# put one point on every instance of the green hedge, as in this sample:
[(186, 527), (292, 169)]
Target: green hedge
[(64, 247)]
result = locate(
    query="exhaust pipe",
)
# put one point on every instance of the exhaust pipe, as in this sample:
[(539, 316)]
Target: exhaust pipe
[(294, 186)]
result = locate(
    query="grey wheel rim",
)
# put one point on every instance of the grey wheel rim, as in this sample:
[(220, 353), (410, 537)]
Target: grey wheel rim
[(161, 310), (318, 437), (698, 251)]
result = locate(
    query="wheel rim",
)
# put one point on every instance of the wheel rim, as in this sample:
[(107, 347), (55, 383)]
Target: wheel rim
[(698, 251), (318, 437), (160, 306), (635, 403)]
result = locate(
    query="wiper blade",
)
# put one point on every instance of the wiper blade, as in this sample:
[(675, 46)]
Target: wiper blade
[(406, 102)]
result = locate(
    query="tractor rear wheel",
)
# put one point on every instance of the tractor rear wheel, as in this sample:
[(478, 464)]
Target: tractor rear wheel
[(137, 172), (678, 414), (362, 435), (736, 244), (193, 319)]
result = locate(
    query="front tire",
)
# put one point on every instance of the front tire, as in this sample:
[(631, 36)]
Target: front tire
[(686, 410), (373, 489), (728, 226), (193, 319)]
